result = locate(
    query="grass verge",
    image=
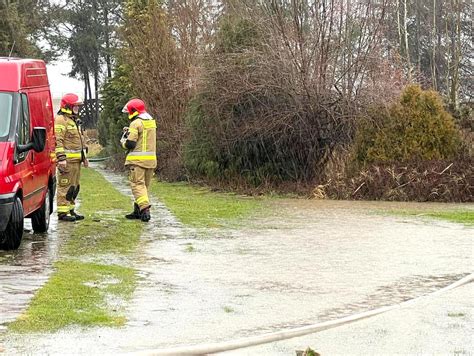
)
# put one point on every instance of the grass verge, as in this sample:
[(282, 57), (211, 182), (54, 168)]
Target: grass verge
[(79, 292), (76, 294), (199, 207), (465, 217)]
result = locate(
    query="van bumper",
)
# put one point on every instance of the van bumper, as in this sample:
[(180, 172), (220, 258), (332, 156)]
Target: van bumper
[(6, 204)]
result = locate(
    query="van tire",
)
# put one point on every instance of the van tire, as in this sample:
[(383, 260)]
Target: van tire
[(40, 218), (10, 239)]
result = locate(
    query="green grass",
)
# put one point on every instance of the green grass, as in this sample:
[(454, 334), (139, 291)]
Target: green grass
[(458, 216), (190, 248), (228, 309), (77, 292), (463, 217), (105, 230), (199, 207), (456, 315)]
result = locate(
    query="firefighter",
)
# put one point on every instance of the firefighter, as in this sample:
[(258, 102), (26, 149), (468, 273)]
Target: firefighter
[(70, 154), (140, 141)]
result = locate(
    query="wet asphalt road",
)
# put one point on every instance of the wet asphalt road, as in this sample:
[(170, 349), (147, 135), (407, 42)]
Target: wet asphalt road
[(309, 261), (24, 271)]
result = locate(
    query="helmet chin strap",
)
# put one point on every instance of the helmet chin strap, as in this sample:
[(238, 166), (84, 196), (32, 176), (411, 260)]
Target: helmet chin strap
[(131, 116)]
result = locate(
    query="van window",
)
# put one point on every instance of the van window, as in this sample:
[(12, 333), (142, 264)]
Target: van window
[(22, 134), (6, 107)]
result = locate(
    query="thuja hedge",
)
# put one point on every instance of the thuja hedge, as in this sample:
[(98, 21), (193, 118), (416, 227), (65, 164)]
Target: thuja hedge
[(416, 128)]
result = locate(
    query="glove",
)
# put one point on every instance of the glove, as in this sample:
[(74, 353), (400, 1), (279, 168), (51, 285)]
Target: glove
[(124, 137), (62, 166)]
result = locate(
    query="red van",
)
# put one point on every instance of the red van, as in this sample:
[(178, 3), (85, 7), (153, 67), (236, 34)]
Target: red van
[(27, 143)]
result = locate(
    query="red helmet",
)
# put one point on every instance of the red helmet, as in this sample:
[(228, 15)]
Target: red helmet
[(134, 107), (68, 101)]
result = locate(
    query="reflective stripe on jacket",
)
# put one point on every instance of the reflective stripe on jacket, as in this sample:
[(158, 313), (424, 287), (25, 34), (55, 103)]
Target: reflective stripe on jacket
[(69, 139), (143, 132)]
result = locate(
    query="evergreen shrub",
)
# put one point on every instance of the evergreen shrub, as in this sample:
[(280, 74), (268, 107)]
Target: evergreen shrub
[(416, 128)]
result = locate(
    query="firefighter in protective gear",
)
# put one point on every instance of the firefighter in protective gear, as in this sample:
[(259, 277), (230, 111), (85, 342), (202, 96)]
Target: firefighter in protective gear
[(70, 154), (140, 141)]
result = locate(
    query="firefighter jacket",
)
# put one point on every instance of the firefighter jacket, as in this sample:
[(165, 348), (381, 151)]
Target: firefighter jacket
[(142, 133), (69, 139)]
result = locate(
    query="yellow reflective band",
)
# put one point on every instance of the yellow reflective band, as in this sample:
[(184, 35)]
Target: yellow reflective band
[(63, 209), (131, 116), (132, 130), (59, 149), (73, 155), (141, 158), (143, 199), (66, 111), (149, 124)]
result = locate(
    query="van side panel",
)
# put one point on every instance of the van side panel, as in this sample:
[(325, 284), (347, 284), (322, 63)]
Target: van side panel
[(41, 115)]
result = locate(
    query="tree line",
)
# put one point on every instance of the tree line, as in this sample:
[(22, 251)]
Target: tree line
[(259, 92)]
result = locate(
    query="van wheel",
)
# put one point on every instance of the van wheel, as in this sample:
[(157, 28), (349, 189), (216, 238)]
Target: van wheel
[(10, 239), (40, 218)]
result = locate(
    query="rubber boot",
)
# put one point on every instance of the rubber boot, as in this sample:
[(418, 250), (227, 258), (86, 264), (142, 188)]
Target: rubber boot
[(66, 217), (135, 214), (77, 216), (145, 215)]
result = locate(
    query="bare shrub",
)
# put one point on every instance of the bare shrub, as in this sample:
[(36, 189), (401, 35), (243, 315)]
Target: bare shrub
[(441, 181), (282, 87)]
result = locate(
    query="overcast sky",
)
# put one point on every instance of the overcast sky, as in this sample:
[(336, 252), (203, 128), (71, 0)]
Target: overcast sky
[(60, 82)]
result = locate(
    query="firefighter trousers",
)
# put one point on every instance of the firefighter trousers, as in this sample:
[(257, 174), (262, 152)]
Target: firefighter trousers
[(68, 186), (140, 179)]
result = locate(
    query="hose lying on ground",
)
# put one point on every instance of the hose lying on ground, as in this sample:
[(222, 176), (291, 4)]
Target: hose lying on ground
[(288, 334), (98, 159)]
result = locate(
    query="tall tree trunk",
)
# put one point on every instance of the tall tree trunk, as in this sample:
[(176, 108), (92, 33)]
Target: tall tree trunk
[(108, 60), (399, 27), (96, 97), (433, 55), (456, 36), (89, 88), (405, 31), (348, 52), (439, 35), (85, 88), (417, 35), (448, 28)]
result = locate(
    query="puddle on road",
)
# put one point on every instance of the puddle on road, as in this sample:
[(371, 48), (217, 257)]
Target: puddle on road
[(324, 260), (24, 271)]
